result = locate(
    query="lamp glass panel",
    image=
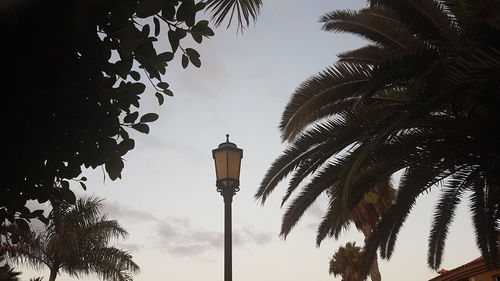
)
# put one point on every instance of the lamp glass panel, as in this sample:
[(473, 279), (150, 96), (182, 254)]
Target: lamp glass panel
[(221, 164), (234, 160)]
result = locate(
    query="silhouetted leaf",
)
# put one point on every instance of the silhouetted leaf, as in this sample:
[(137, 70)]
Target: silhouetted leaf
[(192, 52), (114, 167), (156, 23), (202, 27), (149, 117), (135, 75), (137, 88), (130, 118), (36, 213), (145, 30), (185, 61), (197, 36), (126, 145), (166, 56), (163, 85), (200, 6), (181, 33), (123, 134), (23, 225), (143, 128), (195, 61), (168, 92), (160, 98), (173, 39)]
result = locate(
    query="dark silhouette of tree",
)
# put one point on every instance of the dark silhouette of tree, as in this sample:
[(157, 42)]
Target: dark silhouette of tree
[(74, 75), (421, 98), (76, 241), (345, 262)]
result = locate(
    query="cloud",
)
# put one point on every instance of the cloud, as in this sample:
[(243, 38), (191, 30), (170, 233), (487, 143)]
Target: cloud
[(182, 239), (258, 237), (115, 209), (131, 247)]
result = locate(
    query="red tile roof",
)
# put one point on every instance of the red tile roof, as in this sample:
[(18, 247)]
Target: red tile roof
[(444, 272)]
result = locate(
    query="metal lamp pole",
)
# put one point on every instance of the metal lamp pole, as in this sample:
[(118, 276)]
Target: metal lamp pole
[(227, 167)]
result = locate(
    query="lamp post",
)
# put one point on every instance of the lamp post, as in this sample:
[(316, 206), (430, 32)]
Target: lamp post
[(227, 169)]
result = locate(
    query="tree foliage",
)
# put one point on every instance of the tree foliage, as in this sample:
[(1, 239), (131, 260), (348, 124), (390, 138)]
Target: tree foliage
[(76, 241), (345, 262), (420, 98), (73, 78)]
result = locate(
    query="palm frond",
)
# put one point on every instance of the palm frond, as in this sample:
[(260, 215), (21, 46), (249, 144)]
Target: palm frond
[(445, 211), (427, 19), (419, 181), (244, 10), (367, 55), (25, 255), (461, 11), (103, 231), (485, 220), (109, 263), (387, 160), (321, 181), (332, 85), (327, 138), (380, 26)]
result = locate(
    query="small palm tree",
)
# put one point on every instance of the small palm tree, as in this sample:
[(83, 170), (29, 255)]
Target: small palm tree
[(345, 262), (367, 213), (7, 273), (76, 241)]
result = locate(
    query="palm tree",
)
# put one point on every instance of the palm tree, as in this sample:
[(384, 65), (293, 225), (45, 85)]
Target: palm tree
[(76, 241), (367, 213), (345, 262), (422, 97), (7, 273)]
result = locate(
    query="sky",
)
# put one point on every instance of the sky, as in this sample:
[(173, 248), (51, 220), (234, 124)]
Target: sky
[(167, 198)]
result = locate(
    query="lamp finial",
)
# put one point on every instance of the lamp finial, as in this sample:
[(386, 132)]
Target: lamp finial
[(227, 137)]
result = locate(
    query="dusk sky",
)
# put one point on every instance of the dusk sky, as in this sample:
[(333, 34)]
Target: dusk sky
[(167, 198)]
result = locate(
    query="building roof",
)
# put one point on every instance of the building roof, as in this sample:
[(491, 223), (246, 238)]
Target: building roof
[(473, 267)]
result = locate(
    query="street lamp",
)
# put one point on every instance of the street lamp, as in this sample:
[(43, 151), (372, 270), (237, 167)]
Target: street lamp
[(227, 169)]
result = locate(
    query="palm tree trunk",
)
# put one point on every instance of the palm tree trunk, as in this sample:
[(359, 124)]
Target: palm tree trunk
[(53, 274), (374, 271)]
